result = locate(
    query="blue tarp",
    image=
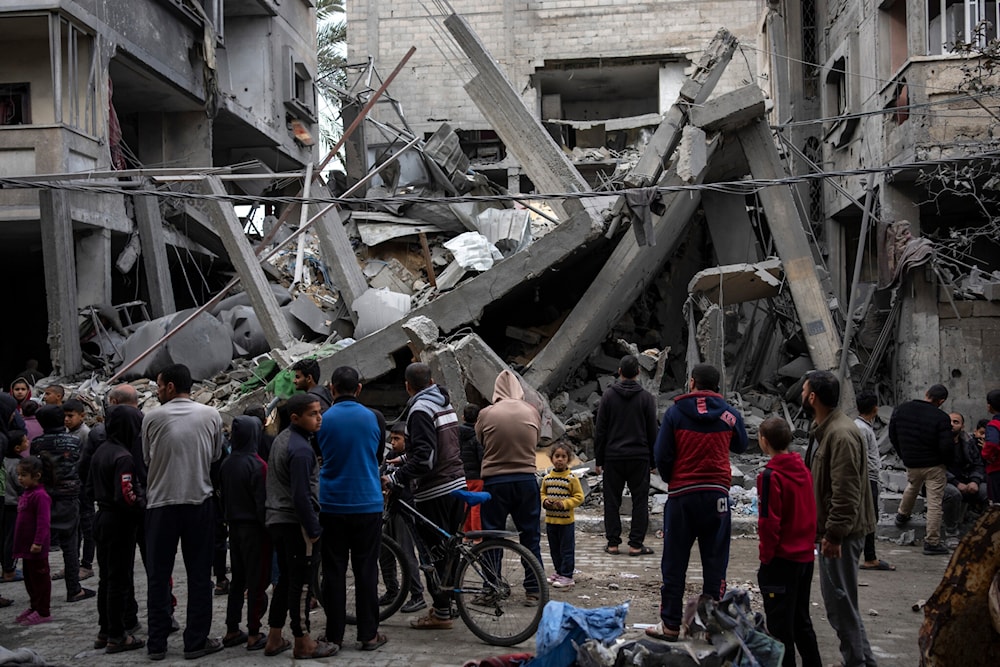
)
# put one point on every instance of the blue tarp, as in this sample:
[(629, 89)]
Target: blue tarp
[(563, 624)]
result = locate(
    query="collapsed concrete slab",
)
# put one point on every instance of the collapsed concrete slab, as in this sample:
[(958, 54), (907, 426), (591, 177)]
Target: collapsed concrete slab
[(627, 272), (736, 283)]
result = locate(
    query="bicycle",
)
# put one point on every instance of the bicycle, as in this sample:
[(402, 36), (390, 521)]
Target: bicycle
[(488, 575)]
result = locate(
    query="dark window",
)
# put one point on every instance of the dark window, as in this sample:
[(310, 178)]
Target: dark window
[(15, 103)]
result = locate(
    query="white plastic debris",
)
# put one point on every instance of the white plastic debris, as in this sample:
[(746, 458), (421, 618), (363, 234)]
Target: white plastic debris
[(473, 251)]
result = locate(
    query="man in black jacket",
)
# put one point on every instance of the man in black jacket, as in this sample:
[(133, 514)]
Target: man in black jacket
[(966, 476), (626, 432), (920, 432)]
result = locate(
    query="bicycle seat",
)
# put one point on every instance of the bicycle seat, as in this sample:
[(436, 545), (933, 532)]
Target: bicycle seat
[(472, 498)]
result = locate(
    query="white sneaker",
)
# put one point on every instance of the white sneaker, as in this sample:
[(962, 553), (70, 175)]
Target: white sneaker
[(563, 582), (552, 577)]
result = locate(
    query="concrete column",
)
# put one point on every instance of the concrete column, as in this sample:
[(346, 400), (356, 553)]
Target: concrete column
[(247, 265), (543, 161), (93, 268), (339, 256), (60, 281), (788, 232), (154, 256)]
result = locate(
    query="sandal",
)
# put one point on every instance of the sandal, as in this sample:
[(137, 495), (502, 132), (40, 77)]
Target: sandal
[(285, 645), (130, 643), (612, 549), (322, 650), (641, 551), (431, 622), (378, 642), (659, 631), (882, 565), (235, 640), (258, 643)]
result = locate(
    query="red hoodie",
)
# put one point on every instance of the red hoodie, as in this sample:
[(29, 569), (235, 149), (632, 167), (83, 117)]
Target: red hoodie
[(786, 510)]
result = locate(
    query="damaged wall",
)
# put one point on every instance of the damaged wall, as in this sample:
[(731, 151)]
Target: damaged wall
[(524, 36)]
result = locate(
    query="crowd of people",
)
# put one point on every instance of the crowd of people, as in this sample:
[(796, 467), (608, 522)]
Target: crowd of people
[(175, 477)]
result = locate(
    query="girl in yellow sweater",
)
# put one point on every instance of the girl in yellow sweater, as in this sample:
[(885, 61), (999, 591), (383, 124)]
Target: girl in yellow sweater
[(561, 492)]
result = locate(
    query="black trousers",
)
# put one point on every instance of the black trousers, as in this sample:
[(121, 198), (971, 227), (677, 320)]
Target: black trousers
[(785, 586), (447, 512), (357, 537), (114, 537), (635, 474), (870, 537), (397, 529), (87, 543), (290, 597), (194, 528), (250, 555)]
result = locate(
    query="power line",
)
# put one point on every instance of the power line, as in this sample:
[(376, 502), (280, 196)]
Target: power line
[(740, 187)]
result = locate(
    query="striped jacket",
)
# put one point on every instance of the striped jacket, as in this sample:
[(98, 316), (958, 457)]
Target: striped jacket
[(432, 457)]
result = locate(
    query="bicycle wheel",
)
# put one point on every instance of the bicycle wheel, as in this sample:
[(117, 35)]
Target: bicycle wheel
[(492, 589), (393, 582)]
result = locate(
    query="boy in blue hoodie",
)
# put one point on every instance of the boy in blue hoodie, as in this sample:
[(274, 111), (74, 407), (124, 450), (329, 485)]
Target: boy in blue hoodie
[(243, 478)]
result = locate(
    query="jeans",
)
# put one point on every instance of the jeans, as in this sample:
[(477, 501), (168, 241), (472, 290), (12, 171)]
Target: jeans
[(785, 587), (69, 543), (702, 516), (951, 504), (354, 537), (193, 526), (838, 582), (618, 474), (935, 479)]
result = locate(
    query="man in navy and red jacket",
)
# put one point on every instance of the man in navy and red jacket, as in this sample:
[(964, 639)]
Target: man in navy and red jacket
[(692, 455)]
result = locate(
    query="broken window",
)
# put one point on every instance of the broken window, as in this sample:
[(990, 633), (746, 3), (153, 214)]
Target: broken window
[(893, 33), (577, 95), (836, 88), (200, 13), (48, 73), (15, 103), (960, 21), (300, 91)]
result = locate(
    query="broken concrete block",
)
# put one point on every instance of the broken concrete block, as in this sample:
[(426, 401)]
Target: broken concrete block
[(559, 402), (394, 277), (893, 480), (605, 381), (581, 393), (450, 276), (481, 366), (692, 154), (422, 332), (204, 346), (377, 309)]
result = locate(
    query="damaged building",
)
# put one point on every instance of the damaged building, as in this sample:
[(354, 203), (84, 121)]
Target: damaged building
[(138, 94)]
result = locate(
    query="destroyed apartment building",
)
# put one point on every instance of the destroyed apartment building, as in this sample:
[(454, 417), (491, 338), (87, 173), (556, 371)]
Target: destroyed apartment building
[(559, 230)]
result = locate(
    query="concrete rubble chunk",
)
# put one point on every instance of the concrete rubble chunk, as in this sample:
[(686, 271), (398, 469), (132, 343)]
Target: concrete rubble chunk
[(736, 283), (308, 313), (422, 332)]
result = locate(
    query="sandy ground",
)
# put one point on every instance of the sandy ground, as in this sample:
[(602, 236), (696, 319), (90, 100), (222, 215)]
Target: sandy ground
[(886, 599)]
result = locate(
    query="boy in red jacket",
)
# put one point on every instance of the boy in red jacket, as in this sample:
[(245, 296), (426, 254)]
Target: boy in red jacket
[(787, 530), (991, 447)]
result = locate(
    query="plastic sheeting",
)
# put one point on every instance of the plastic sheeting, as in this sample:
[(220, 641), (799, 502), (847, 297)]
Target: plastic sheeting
[(564, 625), (473, 251)]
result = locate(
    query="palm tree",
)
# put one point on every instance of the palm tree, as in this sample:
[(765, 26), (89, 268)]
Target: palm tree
[(331, 42)]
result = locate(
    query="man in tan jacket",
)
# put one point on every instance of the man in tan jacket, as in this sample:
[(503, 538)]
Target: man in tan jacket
[(509, 432), (844, 511)]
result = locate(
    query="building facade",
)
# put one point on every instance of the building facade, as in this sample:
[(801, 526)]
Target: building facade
[(109, 85), (904, 88)]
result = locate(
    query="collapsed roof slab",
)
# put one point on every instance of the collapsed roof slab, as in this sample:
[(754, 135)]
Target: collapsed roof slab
[(339, 255), (622, 279), (736, 283)]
